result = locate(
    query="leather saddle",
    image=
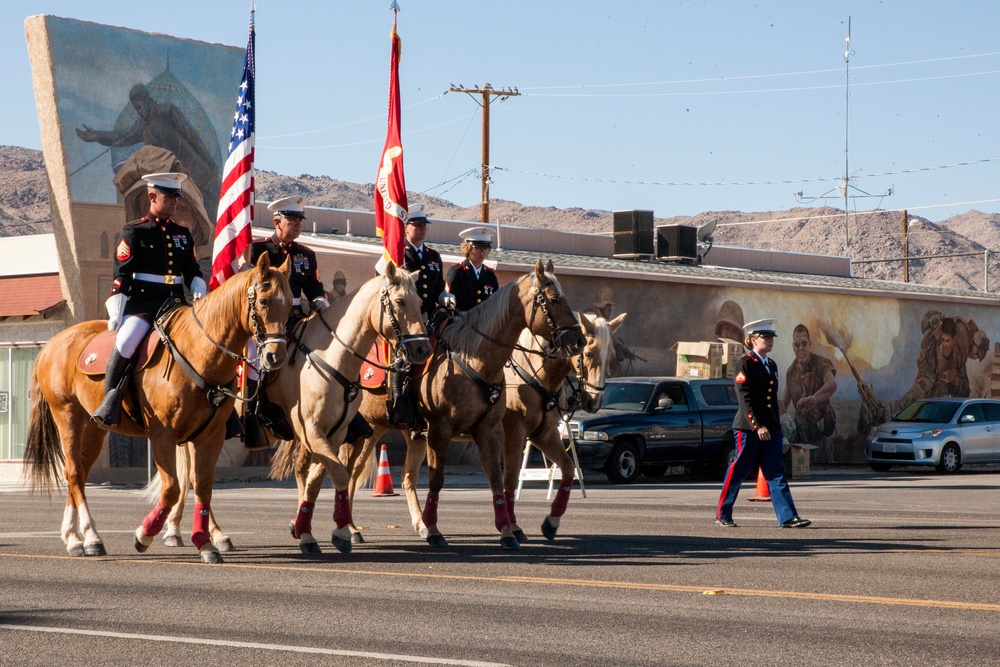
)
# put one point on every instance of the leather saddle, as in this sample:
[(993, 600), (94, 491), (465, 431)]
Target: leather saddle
[(94, 358)]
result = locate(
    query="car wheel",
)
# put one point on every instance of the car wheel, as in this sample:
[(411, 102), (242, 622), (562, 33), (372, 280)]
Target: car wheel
[(880, 467), (623, 465), (951, 460)]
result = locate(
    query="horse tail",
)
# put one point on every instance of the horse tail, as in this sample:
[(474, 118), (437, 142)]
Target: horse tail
[(283, 461), (43, 454), (364, 463), (151, 492)]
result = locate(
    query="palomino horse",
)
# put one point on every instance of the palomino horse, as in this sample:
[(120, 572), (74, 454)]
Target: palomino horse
[(183, 394), (463, 392), (535, 385), (314, 389)]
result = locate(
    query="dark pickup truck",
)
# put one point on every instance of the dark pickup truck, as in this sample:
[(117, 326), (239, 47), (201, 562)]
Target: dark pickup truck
[(648, 424)]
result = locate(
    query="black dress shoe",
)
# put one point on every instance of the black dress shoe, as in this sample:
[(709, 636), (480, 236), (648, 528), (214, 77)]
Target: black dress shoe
[(726, 523), (796, 522)]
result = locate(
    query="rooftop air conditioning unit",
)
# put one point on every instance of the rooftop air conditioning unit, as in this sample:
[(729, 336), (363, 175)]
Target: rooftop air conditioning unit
[(677, 243), (633, 234)]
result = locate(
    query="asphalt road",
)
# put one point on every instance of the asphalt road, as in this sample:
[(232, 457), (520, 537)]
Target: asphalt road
[(897, 569)]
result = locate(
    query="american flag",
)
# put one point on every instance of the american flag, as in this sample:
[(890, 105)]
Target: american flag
[(236, 200), (390, 187)]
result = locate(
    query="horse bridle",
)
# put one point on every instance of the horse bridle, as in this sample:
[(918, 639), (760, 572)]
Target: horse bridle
[(542, 302), (398, 346), (255, 326)]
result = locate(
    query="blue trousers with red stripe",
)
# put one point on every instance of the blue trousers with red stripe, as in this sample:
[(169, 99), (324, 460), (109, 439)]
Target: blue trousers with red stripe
[(751, 452)]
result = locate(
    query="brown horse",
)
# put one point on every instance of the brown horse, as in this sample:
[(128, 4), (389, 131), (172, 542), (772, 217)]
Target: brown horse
[(537, 399), (463, 392), (183, 394), (316, 391)]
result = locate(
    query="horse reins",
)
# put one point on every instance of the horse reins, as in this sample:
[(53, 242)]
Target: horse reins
[(539, 302), (351, 389)]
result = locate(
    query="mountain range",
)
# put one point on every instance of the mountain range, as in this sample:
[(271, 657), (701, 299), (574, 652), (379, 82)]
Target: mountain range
[(870, 236)]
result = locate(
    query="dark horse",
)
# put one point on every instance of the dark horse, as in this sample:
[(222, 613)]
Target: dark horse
[(184, 394)]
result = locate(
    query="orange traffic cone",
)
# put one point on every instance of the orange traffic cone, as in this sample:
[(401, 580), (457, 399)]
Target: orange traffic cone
[(763, 493), (383, 481)]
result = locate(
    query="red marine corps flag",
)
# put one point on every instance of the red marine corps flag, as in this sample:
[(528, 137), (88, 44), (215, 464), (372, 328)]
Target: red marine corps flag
[(236, 201), (390, 187)]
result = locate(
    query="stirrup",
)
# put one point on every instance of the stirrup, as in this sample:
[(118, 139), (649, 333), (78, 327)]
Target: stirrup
[(109, 412)]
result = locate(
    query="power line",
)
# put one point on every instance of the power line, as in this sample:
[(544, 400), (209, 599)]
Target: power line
[(796, 89), (821, 179), (761, 76)]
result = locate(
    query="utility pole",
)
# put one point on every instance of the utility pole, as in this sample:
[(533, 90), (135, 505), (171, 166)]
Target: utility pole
[(488, 93), (845, 186), (847, 138), (906, 248)]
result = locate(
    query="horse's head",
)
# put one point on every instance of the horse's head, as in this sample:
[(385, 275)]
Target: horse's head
[(552, 317), (269, 300), (399, 316), (591, 364)]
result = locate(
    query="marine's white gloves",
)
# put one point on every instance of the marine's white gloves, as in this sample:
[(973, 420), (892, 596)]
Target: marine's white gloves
[(447, 300), (320, 302), (198, 288), (116, 310)]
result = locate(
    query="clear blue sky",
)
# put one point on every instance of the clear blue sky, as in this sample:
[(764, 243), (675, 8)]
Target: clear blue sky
[(625, 105)]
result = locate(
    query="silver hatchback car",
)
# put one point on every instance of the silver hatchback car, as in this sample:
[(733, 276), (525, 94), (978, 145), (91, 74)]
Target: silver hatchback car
[(941, 432)]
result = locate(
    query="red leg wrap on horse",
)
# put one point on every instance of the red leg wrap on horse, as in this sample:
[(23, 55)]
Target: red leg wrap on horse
[(199, 527), (500, 516), (153, 523), (430, 513), (561, 500), (341, 509), (509, 497), (303, 520)]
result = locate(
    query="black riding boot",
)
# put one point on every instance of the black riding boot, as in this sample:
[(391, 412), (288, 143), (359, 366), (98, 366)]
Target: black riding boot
[(234, 428), (400, 407), (358, 429), (254, 437), (109, 412)]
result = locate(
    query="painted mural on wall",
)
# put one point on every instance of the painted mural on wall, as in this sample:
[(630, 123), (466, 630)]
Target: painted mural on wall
[(132, 103), (846, 363)]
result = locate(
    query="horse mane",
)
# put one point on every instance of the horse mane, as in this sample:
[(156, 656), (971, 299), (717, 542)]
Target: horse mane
[(488, 317), (226, 302), (602, 332)]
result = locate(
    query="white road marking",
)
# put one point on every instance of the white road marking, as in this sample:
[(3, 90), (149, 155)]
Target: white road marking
[(253, 645)]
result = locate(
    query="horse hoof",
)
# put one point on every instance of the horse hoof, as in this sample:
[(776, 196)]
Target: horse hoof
[(424, 533), (341, 545), (520, 536), (357, 538), (173, 541), (139, 546), (510, 543), (211, 557), (310, 548), (95, 549), (437, 541), (291, 529), (548, 529), (224, 545), (76, 551)]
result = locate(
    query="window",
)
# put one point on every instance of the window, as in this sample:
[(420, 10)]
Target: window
[(972, 414), (992, 411), (16, 366), (719, 394), (675, 393)]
